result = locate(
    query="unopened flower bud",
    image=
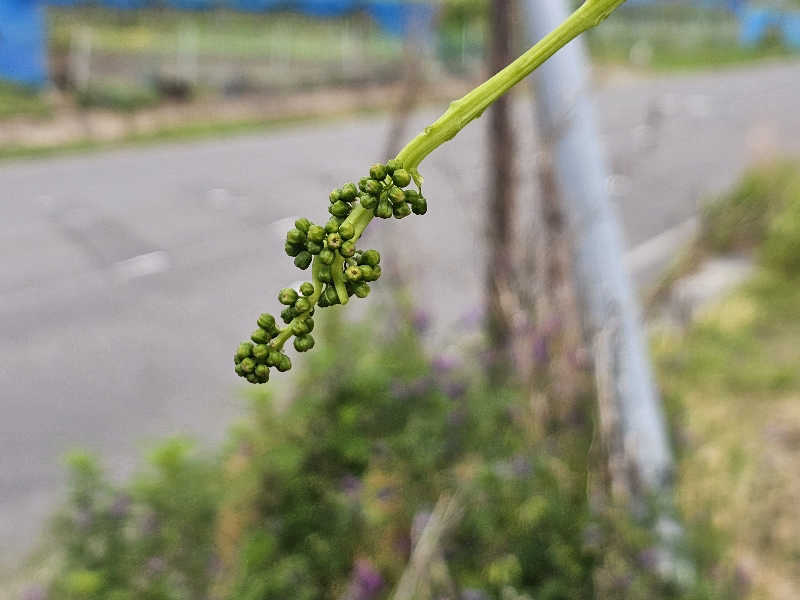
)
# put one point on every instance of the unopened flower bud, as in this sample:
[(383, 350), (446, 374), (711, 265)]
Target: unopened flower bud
[(396, 195), (384, 209), (339, 209), (334, 240), (244, 350), (419, 205), (302, 305), (292, 249), (260, 352), (287, 296), (296, 237), (370, 257), (316, 234), (326, 256), (306, 288), (401, 210), (393, 165), (248, 365), (325, 274), (252, 378), (302, 224), (349, 192), (346, 230), (303, 343), (262, 372), (333, 225), (303, 260), (287, 314), (377, 171), (401, 177), (314, 247), (285, 364), (348, 248), (361, 289), (260, 336), (267, 322), (368, 201), (335, 195), (299, 327), (331, 296)]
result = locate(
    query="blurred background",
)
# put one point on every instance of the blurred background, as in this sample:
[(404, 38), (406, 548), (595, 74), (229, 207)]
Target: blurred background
[(578, 376)]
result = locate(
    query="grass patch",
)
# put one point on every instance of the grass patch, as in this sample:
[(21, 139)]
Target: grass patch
[(733, 388), (21, 101)]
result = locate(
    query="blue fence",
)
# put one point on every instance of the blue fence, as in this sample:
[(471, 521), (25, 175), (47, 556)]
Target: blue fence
[(22, 42)]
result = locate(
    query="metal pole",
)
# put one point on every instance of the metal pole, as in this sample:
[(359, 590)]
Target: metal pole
[(565, 117)]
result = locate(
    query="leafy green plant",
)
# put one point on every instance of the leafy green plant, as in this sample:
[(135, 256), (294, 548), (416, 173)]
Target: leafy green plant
[(339, 269)]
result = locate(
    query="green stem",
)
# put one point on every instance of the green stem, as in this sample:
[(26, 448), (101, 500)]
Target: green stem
[(460, 113), (471, 106), (279, 340)]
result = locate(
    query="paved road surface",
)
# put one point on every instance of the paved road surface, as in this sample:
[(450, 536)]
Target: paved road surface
[(127, 278)]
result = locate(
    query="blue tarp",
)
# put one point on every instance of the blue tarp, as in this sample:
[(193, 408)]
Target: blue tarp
[(22, 42)]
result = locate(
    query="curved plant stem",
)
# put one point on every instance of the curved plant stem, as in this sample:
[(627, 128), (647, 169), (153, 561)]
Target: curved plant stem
[(458, 115)]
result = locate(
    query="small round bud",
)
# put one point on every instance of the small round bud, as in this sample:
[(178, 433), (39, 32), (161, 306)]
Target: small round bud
[(262, 372), (252, 378), (362, 184), (376, 272), (287, 314), (326, 256), (302, 305), (334, 240), (316, 234), (306, 288), (346, 230), (331, 296), (239, 371), (368, 201), (287, 296), (248, 365), (401, 177), (353, 274), (302, 224), (332, 225), (285, 364), (296, 237), (361, 289), (314, 247), (309, 324), (339, 209), (303, 260), (274, 358), (373, 187), (401, 210), (370, 257), (335, 195), (366, 272), (396, 195), (348, 248), (303, 343), (260, 352), (393, 165), (292, 249), (260, 336), (299, 327), (377, 171), (322, 302), (411, 195), (384, 209), (267, 322), (244, 350), (349, 192), (325, 274), (419, 206)]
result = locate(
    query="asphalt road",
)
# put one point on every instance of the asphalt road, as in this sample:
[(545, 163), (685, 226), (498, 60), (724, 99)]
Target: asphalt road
[(127, 278)]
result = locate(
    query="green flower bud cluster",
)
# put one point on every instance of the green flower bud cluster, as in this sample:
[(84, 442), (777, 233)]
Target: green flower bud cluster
[(340, 270)]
